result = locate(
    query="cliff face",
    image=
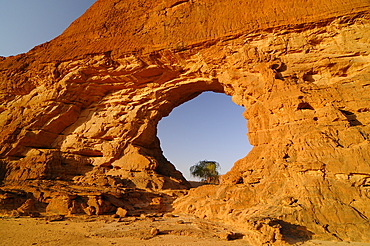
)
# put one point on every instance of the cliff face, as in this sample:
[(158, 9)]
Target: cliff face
[(85, 106)]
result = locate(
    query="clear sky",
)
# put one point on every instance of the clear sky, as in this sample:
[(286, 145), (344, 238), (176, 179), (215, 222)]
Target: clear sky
[(209, 127), (27, 23)]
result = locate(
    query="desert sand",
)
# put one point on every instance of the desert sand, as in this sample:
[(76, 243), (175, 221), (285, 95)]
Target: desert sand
[(106, 230)]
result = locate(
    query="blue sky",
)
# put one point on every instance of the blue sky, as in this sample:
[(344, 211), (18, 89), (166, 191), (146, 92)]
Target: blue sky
[(209, 127), (27, 23)]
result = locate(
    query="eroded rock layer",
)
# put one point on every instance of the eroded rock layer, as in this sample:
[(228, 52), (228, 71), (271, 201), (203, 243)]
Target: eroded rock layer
[(84, 108)]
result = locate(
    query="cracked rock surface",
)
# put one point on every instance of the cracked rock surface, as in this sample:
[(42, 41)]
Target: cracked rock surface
[(84, 107)]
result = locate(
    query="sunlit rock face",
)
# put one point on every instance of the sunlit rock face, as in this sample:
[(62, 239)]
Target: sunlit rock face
[(84, 108)]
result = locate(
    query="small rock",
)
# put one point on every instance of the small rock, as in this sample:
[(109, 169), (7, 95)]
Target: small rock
[(27, 207), (121, 212), (142, 216), (89, 210), (15, 214), (180, 222), (226, 236), (154, 231), (58, 217), (158, 215), (169, 215), (150, 219)]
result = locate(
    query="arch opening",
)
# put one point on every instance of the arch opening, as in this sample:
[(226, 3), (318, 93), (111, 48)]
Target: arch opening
[(207, 127)]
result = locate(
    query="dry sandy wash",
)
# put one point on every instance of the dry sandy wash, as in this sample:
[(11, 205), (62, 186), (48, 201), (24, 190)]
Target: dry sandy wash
[(142, 231), (78, 115)]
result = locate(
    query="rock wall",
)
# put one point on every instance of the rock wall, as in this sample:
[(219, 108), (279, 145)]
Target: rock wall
[(307, 103), (85, 107)]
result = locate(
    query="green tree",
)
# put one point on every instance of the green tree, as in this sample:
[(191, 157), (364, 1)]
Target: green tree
[(207, 171)]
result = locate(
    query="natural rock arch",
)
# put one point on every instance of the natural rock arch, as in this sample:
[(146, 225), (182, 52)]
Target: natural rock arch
[(84, 107)]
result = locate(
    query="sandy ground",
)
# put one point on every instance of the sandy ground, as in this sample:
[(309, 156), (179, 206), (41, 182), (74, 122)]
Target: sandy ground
[(152, 231)]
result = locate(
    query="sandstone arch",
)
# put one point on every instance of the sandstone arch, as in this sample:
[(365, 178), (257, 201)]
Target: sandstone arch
[(84, 107)]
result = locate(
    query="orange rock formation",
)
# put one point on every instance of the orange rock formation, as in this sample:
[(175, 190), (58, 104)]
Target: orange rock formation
[(83, 108)]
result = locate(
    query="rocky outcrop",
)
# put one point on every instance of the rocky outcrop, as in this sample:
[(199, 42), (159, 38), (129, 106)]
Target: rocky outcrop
[(308, 117), (84, 108), (44, 197)]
